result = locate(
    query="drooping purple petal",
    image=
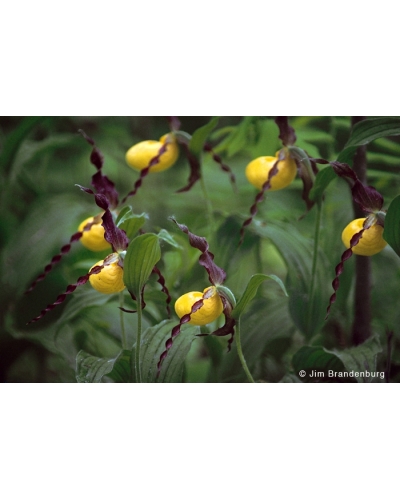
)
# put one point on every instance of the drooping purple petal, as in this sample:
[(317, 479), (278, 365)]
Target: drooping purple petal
[(101, 183), (308, 182), (96, 157), (367, 197), (229, 326), (164, 289), (339, 268), (145, 171), (216, 274), (260, 196), (343, 170), (177, 330), (70, 289), (114, 235), (286, 132)]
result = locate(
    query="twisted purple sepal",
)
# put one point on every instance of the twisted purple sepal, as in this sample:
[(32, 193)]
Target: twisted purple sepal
[(70, 289), (339, 268), (177, 330)]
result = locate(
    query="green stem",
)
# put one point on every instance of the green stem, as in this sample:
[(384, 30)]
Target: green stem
[(138, 370), (209, 206), (240, 352), (314, 263), (123, 333)]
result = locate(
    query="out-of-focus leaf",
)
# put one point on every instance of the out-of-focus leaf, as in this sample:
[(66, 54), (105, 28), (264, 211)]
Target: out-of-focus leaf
[(200, 135), (391, 232), (15, 139), (91, 369), (152, 346), (322, 181), (290, 379), (81, 299), (142, 255), (314, 135), (251, 290), (130, 222), (268, 142), (239, 137), (388, 145), (39, 237), (385, 160)]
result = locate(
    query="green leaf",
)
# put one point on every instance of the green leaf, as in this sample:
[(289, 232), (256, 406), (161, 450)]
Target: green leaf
[(168, 238), (266, 323), (297, 252), (82, 298), (368, 130), (91, 369), (251, 290), (317, 362), (200, 135), (361, 359), (268, 142), (153, 345), (239, 137), (322, 181), (354, 363), (130, 222), (142, 255), (391, 232)]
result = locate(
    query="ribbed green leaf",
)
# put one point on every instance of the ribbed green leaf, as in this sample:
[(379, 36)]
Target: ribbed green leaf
[(359, 363), (315, 363), (142, 255), (361, 359), (153, 345), (200, 135), (391, 233), (251, 290), (130, 222), (368, 130), (297, 252), (91, 369)]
